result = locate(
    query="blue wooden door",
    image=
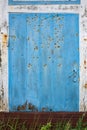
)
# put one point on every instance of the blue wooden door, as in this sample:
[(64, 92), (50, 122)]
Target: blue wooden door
[(43, 62)]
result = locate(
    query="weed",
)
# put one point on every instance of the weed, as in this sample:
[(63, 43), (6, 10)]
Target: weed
[(14, 124), (46, 127), (80, 124)]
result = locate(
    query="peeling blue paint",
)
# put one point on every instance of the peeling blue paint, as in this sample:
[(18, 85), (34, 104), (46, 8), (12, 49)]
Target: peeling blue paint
[(43, 62), (22, 2)]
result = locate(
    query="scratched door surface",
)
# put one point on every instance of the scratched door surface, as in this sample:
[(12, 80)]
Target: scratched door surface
[(43, 62)]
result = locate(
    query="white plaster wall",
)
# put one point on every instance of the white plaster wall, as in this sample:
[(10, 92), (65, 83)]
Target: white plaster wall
[(4, 56)]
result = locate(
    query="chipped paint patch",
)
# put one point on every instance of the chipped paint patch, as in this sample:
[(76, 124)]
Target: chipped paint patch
[(26, 107), (85, 39), (85, 85), (4, 38)]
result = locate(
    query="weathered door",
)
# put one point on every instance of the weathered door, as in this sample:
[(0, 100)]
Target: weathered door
[(44, 62)]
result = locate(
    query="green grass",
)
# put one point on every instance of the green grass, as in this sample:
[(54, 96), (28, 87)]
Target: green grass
[(16, 124)]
